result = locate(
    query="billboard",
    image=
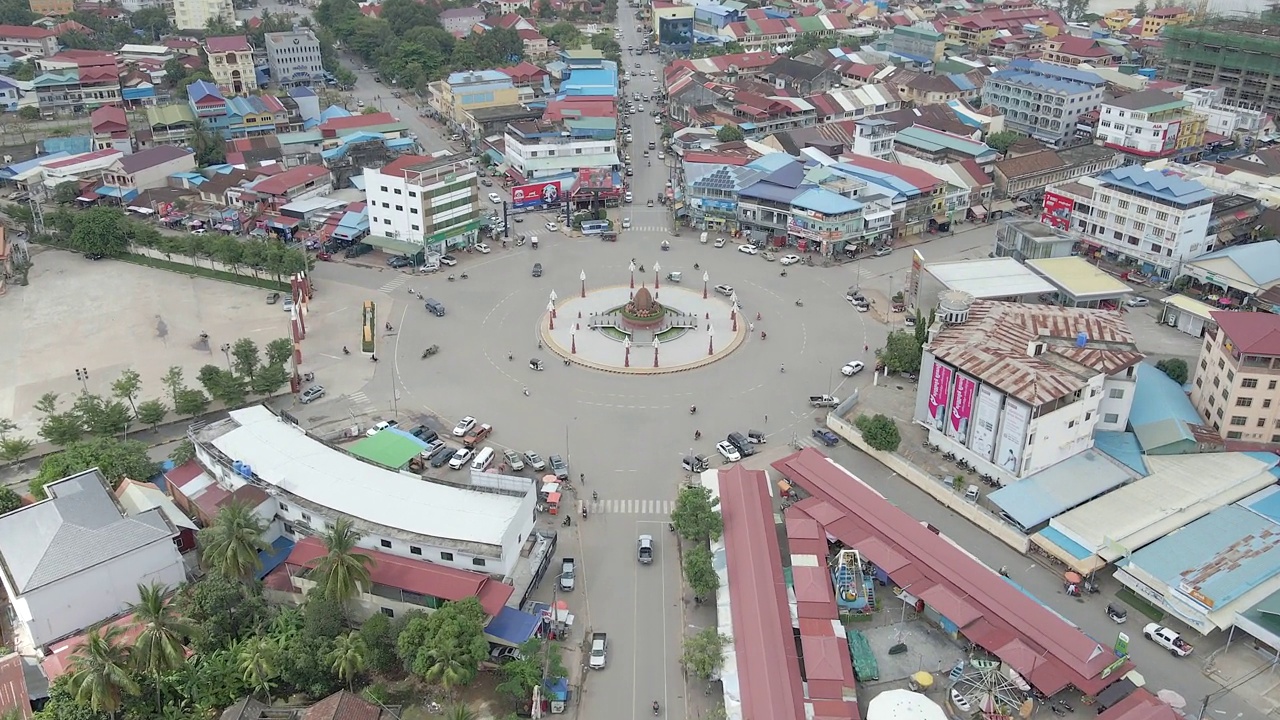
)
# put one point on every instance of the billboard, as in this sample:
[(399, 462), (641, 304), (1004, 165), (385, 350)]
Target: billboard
[(1057, 210), (961, 409), (535, 195), (913, 278), (985, 417), (939, 390), (1013, 435)]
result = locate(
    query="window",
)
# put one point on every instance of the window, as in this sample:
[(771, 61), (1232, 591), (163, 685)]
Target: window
[(413, 211), (1111, 418), (446, 556), (478, 562), (1231, 376), (413, 194), (386, 543), (306, 518), (1275, 438), (1116, 393), (399, 208), (415, 550), (388, 612), (1217, 382), (384, 188), (1219, 413), (1234, 435), (1244, 402), (1262, 422), (288, 529), (415, 227), (1199, 382), (1247, 382), (1071, 424), (1271, 385), (1162, 216), (1239, 420), (284, 508), (1266, 403)]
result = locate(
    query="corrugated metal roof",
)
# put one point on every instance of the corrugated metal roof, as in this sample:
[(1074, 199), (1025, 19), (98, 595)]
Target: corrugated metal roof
[(1058, 488)]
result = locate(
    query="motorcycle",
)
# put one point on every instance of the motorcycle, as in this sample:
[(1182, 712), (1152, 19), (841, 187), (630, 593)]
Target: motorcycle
[(693, 409), (430, 351), (799, 303), (451, 277), (465, 276)]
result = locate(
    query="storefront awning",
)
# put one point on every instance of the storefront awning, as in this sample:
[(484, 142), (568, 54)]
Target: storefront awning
[(978, 211), (1003, 206), (393, 245)]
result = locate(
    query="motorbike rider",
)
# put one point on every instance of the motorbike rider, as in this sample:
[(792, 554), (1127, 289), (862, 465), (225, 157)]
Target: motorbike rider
[(345, 351)]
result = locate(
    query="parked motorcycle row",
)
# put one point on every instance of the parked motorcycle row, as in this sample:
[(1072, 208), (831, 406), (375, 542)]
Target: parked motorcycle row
[(963, 464)]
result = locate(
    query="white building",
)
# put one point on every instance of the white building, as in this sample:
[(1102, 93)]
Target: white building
[(196, 14), (1016, 388), (538, 149), (1157, 219), (37, 41), (294, 58), (313, 484), (432, 202), (1223, 117), (77, 558), (875, 138)]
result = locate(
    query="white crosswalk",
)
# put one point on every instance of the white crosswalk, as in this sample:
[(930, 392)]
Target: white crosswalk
[(647, 228), (395, 283), (634, 507), (810, 441), (360, 403)]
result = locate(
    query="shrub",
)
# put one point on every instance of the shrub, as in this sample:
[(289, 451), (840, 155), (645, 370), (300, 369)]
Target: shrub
[(880, 432)]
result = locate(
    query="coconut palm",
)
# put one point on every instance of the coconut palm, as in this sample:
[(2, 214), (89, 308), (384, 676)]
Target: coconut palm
[(101, 672), (445, 667), (341, 573), (159, 648), (348, 657), (231, 545), (258, 663)]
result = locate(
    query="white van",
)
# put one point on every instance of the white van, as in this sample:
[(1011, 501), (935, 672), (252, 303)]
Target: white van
[(483, 460)]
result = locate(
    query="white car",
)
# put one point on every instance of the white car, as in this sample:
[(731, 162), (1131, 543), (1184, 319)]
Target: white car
[(464, 426), (909, 321), (493, 198), (719, 242), (551, 227), (790, 259), (379, 428), (626, 223), (725, 290), (749, 249), (881, 252), (460, 458), (661, 156), (1137, 302), (853, 368), (628, 197), (657, 120), (728, 451)]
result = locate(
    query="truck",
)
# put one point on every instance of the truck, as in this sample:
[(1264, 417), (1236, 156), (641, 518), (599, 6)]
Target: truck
[(567, 572), (1167, 639), (820, 401), (599, 650), (477, 435)]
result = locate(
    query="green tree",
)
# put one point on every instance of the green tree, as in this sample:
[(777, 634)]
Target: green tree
[(729, 133), (59, 428), (342, 572), (1003, 140), (209, 147), (223, 385), (9, 500), (348, 658), (100, 416), (458, 711), (183, 452), (704, 652), (99, 231), (225, 610), (695, 516), (258, 658), (1175, 368), (65, 193), (700, 571), (153, 21), (127, 386), (231, 545), (279, 351), (115, 458), (901, 352), (380, 643), (101, 671), (880, 432), (160, 646), (13, 448), (30, 112), (174, 383), (191, 402), (24, 71), (152, 412), (1141, 9), (447, 646), (524, 672)]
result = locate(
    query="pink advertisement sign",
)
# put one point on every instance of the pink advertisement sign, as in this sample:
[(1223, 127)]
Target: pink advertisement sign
[(939, 391), (961, 409)]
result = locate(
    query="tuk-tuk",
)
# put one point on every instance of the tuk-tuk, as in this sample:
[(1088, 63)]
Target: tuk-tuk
[(666, 245), (536, 364), (673, 276), (1118, 613)]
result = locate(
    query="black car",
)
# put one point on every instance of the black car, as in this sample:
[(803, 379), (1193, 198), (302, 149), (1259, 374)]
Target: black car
[(399, 261), (424, 433), (441, 456), (559, 467)]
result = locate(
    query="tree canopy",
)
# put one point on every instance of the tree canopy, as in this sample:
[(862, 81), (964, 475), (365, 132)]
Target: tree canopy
[(116, 459), (880, 432)]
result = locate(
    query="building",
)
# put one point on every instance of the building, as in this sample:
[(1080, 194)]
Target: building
[(537, 149), (1236, 377), (77, 557), (1150, 124), (145, 170), (55, 8), (196, 14), (1043, 100), (1078, 282), (28, 40), (1224, 118), (78, 80), (231, 64), (294, 58), (110, 128), (1018, 175), (462, 93), (1025, 239), (1240, 56), (139, 497), (977, 30), (459, 21), (276, 191), (874, 138), (1072, 50), (1002, 279), (943, 147), (430, 203), (921, 42), (1158, 220), (1017, 388), (1157, 19)]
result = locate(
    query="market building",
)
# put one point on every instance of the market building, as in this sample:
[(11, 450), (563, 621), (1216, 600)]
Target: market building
[(1000, 278), (1080, 284)]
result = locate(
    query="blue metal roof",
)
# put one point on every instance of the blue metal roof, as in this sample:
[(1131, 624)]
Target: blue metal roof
[(962, 82), (201, 89), (1156, 183), (885, 179), (1059, 488), (1260, 260), (512, 626), (771, 162), (274, 556), (824, 201), (1060, 71), (1157, 397), (1265, 502), (765, 190), (1122, 447), (1040, 82)]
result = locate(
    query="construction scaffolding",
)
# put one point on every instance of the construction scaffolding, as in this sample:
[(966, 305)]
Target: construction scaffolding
[(1240, 55)]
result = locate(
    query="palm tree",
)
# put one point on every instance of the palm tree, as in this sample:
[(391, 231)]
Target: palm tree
[(159, 648), (257, 662), (341, 573), (231, 545), (445, 667), (348, 657), (101, 672), (459, 712)]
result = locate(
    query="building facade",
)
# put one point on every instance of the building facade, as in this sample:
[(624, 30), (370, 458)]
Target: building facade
[(294, 58), (432, 202), (463, 93), (1043, 100), (1237, 377), (536, 149), (874, 138), (1150, 124), (918, 41), (196, 14), (1226, 118), (28, 40), (1157, 19), (231, 64), (55, 8), (1240, 56)]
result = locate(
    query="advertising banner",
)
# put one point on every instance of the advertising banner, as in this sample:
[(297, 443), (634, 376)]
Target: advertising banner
[(535, 195), (913, 278), (1057, 211), (961, 409), (985, 418), (1013, 435), (939, 391)]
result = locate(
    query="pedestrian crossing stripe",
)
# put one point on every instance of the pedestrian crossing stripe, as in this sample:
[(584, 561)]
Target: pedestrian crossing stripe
[(646, 228), (393, 284), (359, 399), (810, 441), (633, 507)]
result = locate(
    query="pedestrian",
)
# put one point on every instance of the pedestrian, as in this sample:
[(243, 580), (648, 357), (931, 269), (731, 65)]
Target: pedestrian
[(865, 347), (766, 418), (751, 327)]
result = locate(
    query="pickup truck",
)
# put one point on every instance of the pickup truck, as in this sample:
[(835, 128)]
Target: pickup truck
[(567, 573), (477, 435), (820, 401), (1167, 639), (599, 650)]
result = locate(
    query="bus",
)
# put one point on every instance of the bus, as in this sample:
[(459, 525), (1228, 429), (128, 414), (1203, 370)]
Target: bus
[(594, 227)]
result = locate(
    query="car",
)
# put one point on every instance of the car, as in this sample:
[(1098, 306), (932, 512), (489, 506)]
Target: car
[(790, 259), (460, 458), (513, 460), (537, 269), (448, 260), (909, 321), (287, 305), (826, 437), (630, 138), (482, 248), (477, 435), (551, 227), (719, 242), (464, 426), (630, 172), (637, 65), (862, 307), (493, 198), (420, 431), (1137, 301), (380, 427), (728, 451), (749, 249), (399, 261), (657, 121), (441, 455), (881, 252), (486, 182), (311, 394), (324, 256), (559, 467), (199, 231), (518, 219), (628, 197), (661, 155), (535, 461), (644, 549), (626, 223), (725, 290), (855, 296), (360, 103), (273, 298), (852, 367)]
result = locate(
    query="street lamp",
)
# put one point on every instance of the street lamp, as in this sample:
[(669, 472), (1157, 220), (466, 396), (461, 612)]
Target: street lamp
[(711, 340), (582, 275), (82, 374), (551, 315), (554, 297), (733, 314), (632, 268), (657, 268), (226, 350), (573, 339), (656, 344), (626, 346), (706, 277)]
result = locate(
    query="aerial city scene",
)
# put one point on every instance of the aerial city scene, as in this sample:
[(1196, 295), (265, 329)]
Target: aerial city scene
[(689, 359)]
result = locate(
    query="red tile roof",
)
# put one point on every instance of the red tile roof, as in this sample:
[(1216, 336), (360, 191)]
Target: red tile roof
[(1253, 333), (524, 71), (1140, 705), (356, 121), (58, 661), (343, 705), (289, 179), (24, 32), (227, 43), (14, 695), (108, 118), (86, 157), (183, 474)]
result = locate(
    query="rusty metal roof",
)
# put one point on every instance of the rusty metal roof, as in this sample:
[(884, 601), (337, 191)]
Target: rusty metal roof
[(997, 345)]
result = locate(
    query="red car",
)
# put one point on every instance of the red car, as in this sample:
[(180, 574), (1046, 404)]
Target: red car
[(323, 256)]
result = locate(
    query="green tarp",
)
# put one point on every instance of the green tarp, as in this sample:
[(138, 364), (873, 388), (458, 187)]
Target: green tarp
[(864, 661)]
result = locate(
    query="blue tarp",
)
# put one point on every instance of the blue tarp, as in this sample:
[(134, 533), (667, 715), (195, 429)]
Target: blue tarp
[(275, 556), (512, 626), (158, 479)]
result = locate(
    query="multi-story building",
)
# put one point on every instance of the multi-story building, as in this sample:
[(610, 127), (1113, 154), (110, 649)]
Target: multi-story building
[(1158, 19), (55, 8), (294, 58), (28, 40), (1156, 220), (1150, 124), (976, 31), (78, 80), (874, 138), (231, 64), (196, 14), (1237, 377), (1240, 56), (537, 149), (1043, 100), (463, 93), (431, 202), (459, 21), (1223, 117), (1020, 174), (1016, 388), (920, 42)]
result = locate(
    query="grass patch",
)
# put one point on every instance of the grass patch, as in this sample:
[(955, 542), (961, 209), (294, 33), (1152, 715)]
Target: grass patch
[(249, 280), (1130, 598), (671, 333), (613, 332)]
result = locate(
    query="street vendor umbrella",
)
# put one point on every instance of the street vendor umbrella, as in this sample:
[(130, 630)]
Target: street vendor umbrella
[(1172, 699), (1073, 577), (1224, 301), (903, 705), (921, 681)]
